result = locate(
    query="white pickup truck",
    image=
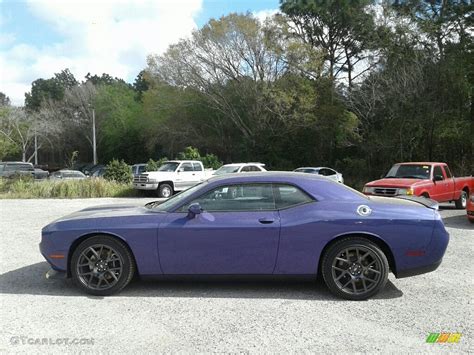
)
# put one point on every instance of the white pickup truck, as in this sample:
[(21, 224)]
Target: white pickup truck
[(173, 176)]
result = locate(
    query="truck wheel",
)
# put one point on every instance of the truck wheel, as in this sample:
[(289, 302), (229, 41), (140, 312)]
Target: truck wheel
[(165, 191), (461, 202)]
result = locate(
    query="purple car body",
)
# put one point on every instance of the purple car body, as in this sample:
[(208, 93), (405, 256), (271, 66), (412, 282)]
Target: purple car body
[(278, 241)]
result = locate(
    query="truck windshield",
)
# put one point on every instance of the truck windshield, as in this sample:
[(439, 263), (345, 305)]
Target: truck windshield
[(409, 171), (169, 166)]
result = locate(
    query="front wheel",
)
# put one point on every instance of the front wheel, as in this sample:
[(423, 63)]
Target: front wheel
[(102, 265), (355, 268), (165, 191), (461, 202)]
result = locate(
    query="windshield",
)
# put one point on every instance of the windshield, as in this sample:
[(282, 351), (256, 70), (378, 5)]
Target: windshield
[(169, 166), (227, 170), (409, 171), (306, 170), (175, 200)]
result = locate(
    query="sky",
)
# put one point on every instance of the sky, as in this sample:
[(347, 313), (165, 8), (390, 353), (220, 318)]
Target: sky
[(41, 37)]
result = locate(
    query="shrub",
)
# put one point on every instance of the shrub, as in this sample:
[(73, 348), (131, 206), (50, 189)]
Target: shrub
[(64, 189), (118, 171), (153, 165), (211, 161)]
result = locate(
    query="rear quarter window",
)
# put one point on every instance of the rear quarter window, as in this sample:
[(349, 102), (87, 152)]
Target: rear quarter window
[(289, 195)]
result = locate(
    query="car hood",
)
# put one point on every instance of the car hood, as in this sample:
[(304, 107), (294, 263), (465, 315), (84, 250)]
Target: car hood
[(395, 183), (106, 211)]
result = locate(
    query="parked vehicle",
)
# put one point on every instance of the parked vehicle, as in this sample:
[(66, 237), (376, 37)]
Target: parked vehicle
[(327, 172), (171, 177), (98, 173), (137, 169), (240, 168), (67, 175), (10, 169), (41, 174), (430, 180), (274, 224), (470, 208)]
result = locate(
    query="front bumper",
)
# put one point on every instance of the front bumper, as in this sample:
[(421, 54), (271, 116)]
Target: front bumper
[(52, 274), (145, 185)]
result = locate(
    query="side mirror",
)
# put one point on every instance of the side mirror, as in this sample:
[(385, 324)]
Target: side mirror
[(438, 178), (180, 170), (194, 209)]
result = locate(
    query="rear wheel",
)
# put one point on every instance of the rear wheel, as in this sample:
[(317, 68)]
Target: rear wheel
[(461, 202), (165, 190), (355, 268), (102, 265)]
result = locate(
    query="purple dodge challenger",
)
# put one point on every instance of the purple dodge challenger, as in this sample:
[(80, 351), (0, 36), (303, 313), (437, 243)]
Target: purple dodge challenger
[(266, 224)]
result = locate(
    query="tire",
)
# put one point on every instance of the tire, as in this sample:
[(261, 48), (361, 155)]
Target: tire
[(364, 272), (91, 271), (461, 202), (165, 190)]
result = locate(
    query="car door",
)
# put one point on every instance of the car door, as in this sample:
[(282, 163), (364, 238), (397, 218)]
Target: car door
[(186, 177), (450, 185), (438, 192), (237, 233)]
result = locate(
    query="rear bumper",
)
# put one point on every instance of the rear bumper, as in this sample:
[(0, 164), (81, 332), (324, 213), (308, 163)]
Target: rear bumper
[(418, 270)]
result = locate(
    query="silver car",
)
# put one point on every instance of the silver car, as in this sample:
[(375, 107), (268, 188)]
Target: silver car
[(327, 172), (67, 175)]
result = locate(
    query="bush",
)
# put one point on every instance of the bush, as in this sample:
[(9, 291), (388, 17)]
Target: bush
[(86, 188), (211, 161), (153, 165), (118, 171)]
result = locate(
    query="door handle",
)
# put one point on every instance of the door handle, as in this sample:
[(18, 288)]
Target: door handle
[(266, 220)]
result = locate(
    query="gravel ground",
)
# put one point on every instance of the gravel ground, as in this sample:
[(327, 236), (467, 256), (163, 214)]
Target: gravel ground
[(223, 316)]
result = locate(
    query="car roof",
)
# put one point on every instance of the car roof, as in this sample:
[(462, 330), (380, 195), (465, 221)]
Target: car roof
[(16, 162), (241, 164), (420, 163), (266, 176), (315, 168)]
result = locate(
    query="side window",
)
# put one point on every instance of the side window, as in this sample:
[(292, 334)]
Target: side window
[(245, 197), (254, 168), (289, 195), (330, 172), (197, 167), (437, 171), (246, 169), (186, 167), (448, 172)]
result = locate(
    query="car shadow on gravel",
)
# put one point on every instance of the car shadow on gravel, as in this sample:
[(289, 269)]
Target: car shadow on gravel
[(458, 222), (30, 280)]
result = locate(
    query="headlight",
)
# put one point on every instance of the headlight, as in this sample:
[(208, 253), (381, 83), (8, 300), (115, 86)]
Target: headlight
[(368, 190), (405, 191)]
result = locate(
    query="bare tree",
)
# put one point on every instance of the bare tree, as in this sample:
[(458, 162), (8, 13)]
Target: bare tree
[(20, 127)]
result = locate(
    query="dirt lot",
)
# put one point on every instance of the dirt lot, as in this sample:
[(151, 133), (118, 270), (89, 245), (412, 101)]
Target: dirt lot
[(223, 316)]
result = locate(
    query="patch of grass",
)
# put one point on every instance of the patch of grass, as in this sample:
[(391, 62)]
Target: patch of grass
[(87, 188)]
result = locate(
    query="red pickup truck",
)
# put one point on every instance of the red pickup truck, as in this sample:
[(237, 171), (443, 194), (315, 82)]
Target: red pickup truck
[(431, 180)]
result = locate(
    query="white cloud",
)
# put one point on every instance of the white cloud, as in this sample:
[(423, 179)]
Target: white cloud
[(262, 15), (104, 36)]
